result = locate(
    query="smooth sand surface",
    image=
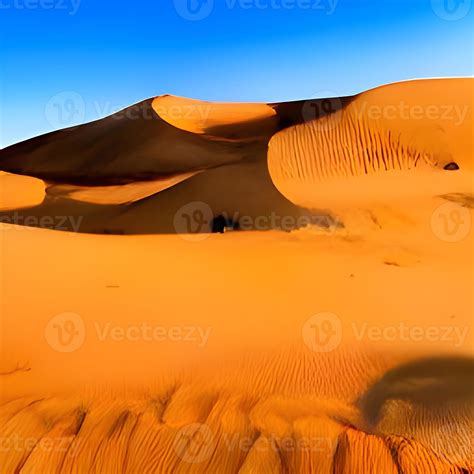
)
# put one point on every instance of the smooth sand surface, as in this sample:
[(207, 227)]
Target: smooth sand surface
[(20, 191), (345, 347), (246, 372)]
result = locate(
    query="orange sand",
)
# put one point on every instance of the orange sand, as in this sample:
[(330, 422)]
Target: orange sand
[(201, 353)]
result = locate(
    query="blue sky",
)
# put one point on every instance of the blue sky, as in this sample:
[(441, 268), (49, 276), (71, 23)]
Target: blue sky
[(64, 62)]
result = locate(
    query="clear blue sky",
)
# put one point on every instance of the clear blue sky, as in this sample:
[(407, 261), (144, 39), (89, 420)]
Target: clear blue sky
[(102, 55)]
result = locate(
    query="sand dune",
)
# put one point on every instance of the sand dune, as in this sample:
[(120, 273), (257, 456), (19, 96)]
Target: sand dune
[(398, 142), (132, 145), (346, 346), (20, 191), (157, 167), (405, 139), (225, 120)]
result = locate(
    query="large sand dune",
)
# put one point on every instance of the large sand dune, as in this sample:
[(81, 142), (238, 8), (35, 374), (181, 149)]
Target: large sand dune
[(330, 349), (407, 139)]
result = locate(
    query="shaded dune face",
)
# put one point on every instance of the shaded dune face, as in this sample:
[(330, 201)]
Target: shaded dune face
[(392, 140), (130, 173), (129, 146)]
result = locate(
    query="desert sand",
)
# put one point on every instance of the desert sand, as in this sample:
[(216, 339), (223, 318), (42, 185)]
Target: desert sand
[(343, 346)]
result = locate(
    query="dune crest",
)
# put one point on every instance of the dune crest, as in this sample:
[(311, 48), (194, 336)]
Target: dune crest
[(20, 191), (397, 140), (214, 117)]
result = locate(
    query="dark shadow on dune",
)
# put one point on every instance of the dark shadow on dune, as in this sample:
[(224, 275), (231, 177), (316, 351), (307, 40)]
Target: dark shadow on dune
[(430, 401), (433, 383), (464, 199), (298, 112), (136, 145), (243, 193)]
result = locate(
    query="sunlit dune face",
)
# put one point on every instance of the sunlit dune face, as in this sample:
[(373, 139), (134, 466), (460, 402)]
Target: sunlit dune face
[(208, 117), (329, 350), (20, 191), (411, 137)]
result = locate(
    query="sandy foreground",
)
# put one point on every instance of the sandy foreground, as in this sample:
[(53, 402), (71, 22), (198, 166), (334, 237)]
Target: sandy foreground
[(223, 333), (345, 346)]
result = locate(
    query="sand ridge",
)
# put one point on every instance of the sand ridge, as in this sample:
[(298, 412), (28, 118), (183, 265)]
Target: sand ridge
[(216, 119), (389, 142), (236, 377)]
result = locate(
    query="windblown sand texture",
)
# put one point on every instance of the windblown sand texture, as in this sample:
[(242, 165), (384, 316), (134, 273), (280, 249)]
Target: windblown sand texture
[(238, 381)]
